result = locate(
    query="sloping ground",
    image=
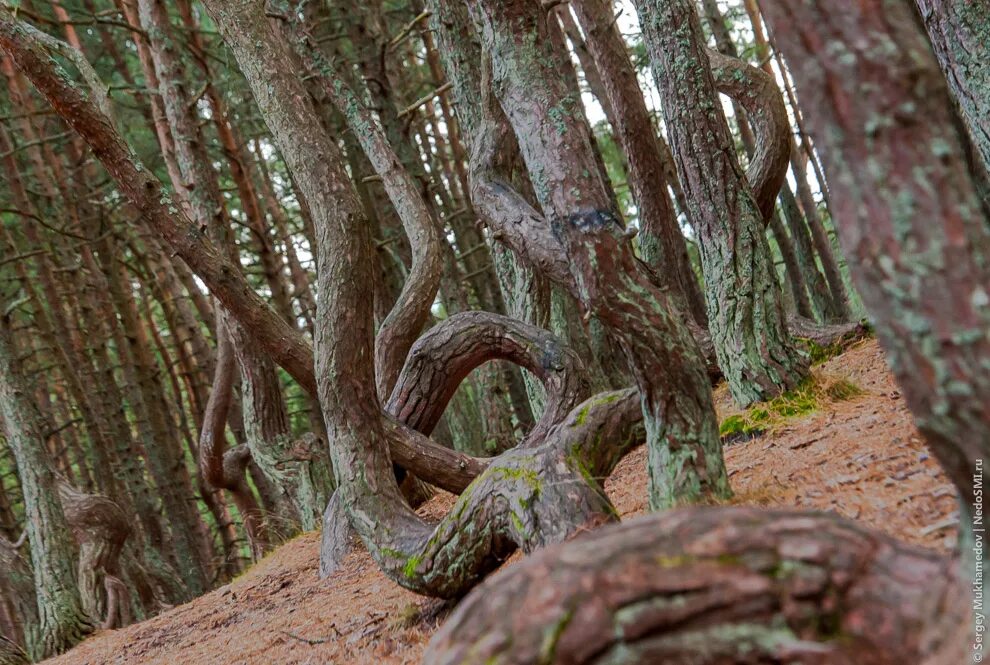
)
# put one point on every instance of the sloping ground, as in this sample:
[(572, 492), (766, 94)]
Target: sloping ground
[(861, 458)]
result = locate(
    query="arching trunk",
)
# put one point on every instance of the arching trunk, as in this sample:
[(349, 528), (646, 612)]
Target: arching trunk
[(738, 585)]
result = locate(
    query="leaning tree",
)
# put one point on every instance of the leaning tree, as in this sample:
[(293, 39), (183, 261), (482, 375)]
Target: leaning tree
[(724, 580), (541, 492), (738, 585)]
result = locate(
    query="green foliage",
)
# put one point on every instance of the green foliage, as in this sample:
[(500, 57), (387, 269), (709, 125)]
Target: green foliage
[(812, 395)]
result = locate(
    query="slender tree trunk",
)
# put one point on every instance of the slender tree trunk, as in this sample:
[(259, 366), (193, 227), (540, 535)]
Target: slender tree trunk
[(661, 240), (62, 620)]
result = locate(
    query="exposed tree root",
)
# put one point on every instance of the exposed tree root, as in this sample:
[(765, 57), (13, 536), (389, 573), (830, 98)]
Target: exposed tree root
[(715, 586), (826, 334)]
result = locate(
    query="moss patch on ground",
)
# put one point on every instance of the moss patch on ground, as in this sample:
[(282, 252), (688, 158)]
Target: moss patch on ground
[(812, 395)]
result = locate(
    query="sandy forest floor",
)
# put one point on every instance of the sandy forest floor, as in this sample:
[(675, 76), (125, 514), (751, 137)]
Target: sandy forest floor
[(861, 458)]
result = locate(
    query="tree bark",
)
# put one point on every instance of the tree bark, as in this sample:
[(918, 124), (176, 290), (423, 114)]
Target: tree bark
[(19, 611), (602, 273), (62, 618), (881, 114), (409, 313), (11, 653), (714, 586), (838, 309), (920, 261), (661, 240), (959, 31), (745, 314)]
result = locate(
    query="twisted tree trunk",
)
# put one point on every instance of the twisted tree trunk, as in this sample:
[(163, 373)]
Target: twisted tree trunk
[(718, 586), (598, 265), (838, 309), (100, 529)]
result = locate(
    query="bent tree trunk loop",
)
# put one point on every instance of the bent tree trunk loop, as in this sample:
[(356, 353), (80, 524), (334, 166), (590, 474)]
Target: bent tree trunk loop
[(691, 585)]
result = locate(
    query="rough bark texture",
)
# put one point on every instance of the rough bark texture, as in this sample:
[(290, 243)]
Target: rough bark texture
[(409, 314), (298, 468), (100, 529), (11, 653), (906, 209), (757, 93), (959, 31), (527, 497), (745, 314), (800, 280), (714, 586), (451, 350), (800, 587), (18, 606), (62, 618), (556, 144), (837, 305), (661, 240), (801, 271)]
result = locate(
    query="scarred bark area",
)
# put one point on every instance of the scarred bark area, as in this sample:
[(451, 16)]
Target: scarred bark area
[(745, 314), (661, 240), (714, 586)]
